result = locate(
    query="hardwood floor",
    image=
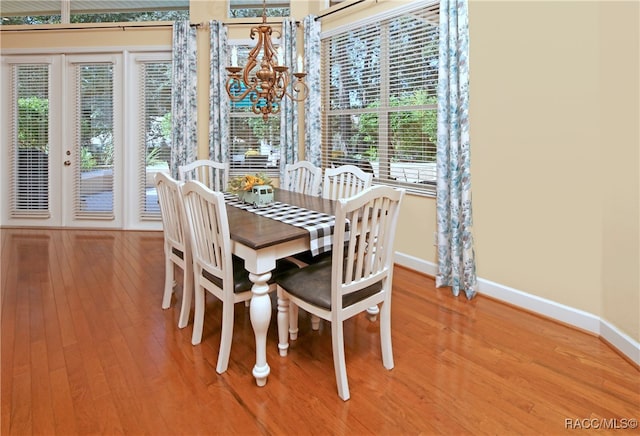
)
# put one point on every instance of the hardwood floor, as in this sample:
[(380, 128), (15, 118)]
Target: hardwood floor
[(87, 349)]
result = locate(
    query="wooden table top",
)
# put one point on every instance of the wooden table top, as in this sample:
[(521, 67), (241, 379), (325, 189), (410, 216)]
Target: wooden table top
[(257, 232)]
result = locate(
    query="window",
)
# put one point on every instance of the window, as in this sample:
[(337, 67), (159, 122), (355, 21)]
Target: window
[(154, 139), (91, 11), (29, 195), (380, 83), (253, 8), (94, 125), (255, 143)]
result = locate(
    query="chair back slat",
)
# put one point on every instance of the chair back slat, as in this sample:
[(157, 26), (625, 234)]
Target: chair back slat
[(214, 175)]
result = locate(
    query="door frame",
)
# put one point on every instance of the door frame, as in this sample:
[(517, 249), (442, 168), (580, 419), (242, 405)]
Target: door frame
[(60, 86)]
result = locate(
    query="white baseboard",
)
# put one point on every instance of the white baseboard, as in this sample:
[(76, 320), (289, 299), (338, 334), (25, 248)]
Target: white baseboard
[(416, 264), (620, 340), (550, 309)]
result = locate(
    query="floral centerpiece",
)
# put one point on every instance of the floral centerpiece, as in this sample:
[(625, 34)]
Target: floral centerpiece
[(247, 182), (253, 188)]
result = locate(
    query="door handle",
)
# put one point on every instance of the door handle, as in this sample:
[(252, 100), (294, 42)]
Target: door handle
[(67, 163)]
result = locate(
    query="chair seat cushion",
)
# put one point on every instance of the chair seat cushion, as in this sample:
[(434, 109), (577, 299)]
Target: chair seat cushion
[(241, 281), (313, 284)]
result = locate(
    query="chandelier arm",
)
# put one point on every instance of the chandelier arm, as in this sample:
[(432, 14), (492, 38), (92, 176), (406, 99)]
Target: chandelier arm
[(252, 59), (269, 49), (301, 89), (280, 85), (237, 97)]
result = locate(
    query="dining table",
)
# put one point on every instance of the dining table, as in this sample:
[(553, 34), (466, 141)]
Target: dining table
[(260, 241)]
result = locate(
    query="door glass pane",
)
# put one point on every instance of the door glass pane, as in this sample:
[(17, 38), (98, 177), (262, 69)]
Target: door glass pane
[(93, 193), (156, 133), (30, 137)]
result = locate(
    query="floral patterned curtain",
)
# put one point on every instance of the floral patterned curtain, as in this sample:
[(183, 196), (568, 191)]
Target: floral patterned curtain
[(288, 109), (313, 143), (183, 97), (218, 98), (456, 258)]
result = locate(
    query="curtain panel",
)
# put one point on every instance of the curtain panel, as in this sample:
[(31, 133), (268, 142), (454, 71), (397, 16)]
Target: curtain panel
[(456, 258), (288, 108), (313, 126), (219, 109), (183, 96)]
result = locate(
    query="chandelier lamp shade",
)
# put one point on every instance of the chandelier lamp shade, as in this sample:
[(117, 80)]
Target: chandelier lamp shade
[(266, 81)]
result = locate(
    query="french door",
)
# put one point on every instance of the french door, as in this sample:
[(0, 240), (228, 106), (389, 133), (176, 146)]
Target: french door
[(63, 136), (92, 142)]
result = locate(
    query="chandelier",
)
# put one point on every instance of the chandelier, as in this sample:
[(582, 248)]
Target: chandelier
[(267, 84)]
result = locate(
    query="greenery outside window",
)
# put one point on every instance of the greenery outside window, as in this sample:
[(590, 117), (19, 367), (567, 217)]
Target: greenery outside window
[(380, 83), (253, 8), (90, 11)]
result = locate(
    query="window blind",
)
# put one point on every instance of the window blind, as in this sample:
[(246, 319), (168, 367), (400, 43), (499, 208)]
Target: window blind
[(29, 177), (154, 133), (380, 98), (94, 157)]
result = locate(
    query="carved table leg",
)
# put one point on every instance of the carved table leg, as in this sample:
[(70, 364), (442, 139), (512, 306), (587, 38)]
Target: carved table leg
[(260, 313)]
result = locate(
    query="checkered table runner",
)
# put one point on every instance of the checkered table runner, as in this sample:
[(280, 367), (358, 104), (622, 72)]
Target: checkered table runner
[(318, 224)]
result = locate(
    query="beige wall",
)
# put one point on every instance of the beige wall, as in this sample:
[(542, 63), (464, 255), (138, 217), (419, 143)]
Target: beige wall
[(73, 39), (554, 131), (619, 49), (554, 134), (535, 148)]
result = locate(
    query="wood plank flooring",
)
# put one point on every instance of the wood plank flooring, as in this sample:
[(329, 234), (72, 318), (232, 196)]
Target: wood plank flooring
[(87, 349)]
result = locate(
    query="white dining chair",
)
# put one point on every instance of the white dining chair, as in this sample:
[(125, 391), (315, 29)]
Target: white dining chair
[(215, 269), (344, 181), (212, 174), (303, 177), (177, 247), (359, 275)]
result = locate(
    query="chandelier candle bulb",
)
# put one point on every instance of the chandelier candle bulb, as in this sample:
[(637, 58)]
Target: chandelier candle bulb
[(281, 56), (234, 56)]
